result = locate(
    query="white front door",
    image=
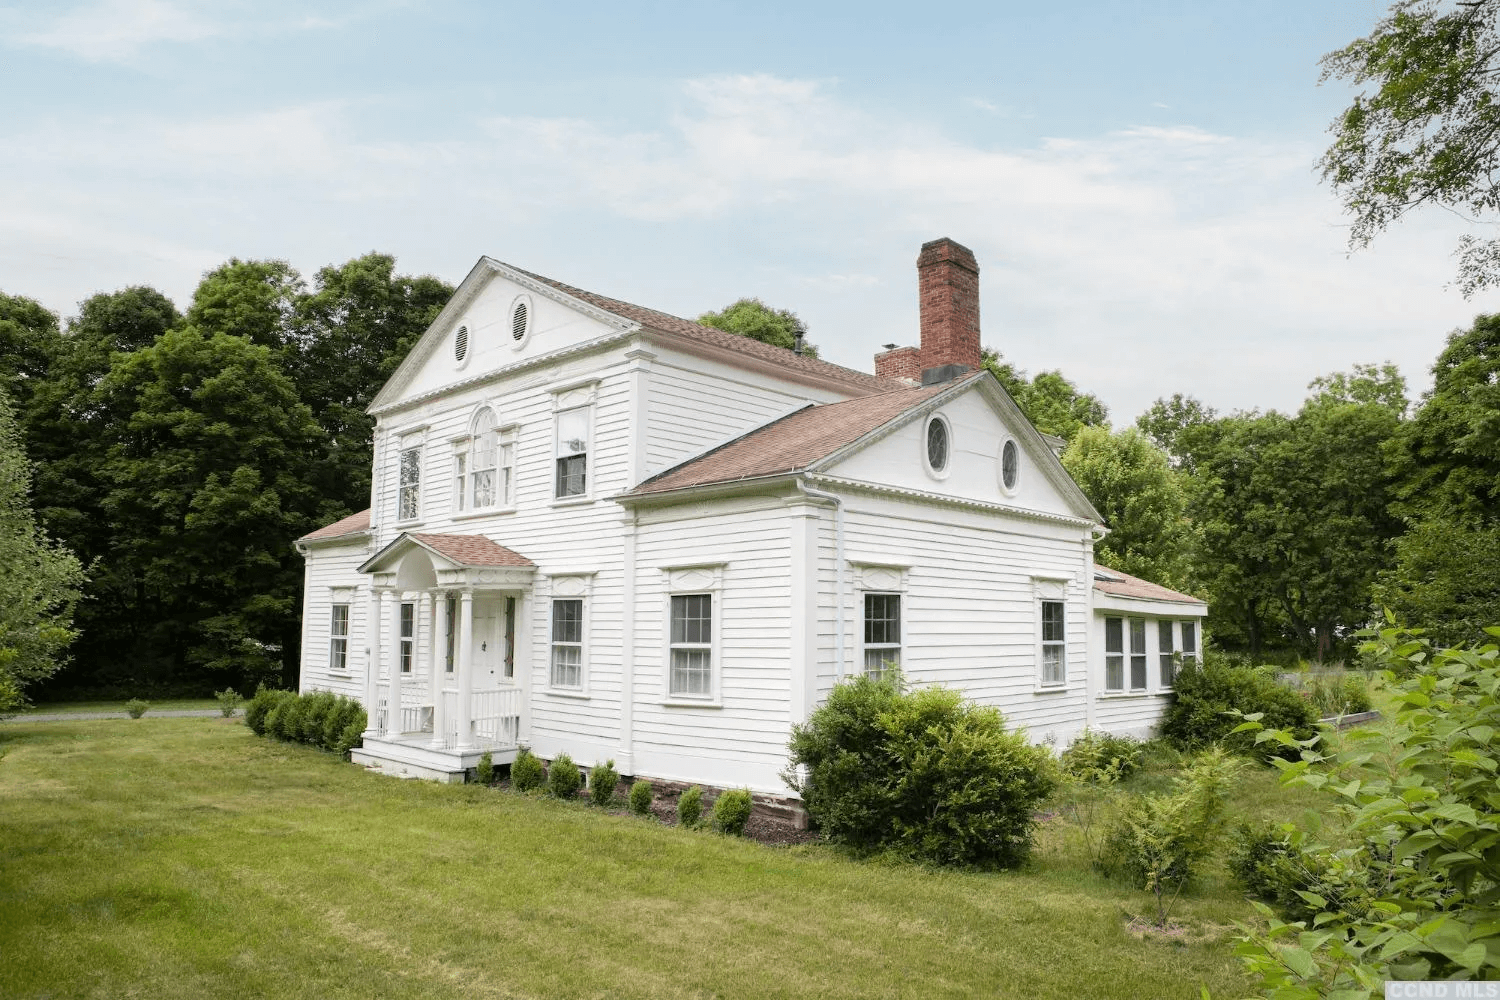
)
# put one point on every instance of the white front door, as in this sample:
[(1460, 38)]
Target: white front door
[(487, 652)]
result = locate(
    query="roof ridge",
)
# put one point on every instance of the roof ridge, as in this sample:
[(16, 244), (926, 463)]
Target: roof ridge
[(736, 440)]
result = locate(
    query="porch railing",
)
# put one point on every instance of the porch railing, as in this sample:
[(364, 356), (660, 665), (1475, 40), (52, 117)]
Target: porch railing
[(494, 715), (497, 717)]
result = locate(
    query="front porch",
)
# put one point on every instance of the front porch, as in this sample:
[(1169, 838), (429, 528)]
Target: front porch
[(449, 608)]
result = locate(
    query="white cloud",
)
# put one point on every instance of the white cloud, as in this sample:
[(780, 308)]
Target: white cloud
[(1142, 262), (117, 30)]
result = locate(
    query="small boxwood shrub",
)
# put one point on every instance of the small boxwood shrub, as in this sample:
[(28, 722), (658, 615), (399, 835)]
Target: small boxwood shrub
[(319, 718), (1206, 694), (690, 807), (229, 700), (1096, 754), (563, 779), (923, 773), (527, 773), (346, 712), (312, 714), (352, 737), (641, 794), (732, 812), (602, 781), (136, 708), (484, 771), (259, 707)]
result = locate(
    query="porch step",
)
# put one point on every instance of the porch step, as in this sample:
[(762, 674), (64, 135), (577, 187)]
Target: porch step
[(410, 760)]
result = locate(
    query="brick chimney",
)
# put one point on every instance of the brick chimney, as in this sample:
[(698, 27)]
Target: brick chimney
[(948, 292), (899, 362)]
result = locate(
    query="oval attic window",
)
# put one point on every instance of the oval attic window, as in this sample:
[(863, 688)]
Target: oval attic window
[(937, 444), (1010, 465), (518, 322), (461, 344)]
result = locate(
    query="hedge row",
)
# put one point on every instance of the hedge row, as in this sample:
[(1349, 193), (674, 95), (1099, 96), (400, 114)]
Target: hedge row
[(320, 719)]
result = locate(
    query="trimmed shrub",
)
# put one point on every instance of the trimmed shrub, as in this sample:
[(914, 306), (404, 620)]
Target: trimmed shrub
[(345, 711), (1096, 755), (563, 779), (313, 714), (136, 708), (259, 707), (229, 700), (484, 771), (923, 773), (1206, 695), (286, 723), (602, 781), (527, 773), (690, 807), (732, 812), (352, 736), (641, 794)]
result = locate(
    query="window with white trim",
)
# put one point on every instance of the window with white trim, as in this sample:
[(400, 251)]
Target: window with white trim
[(1166, 652), (460, 481), (408, 635), (1114, 654), (484, 466), (409, 491), (882, 634), (567, 643), (1137, 654), (1054, 643), (338, 638), (572, 451), (1189, 642), (482, 461), (692, 646)]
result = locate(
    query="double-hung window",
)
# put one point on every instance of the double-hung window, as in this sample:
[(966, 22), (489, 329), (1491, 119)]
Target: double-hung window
[(572, 451), (408, 635), (460, 481), (485, 466), (882, 633), (338, 638), (409, 492), (1054, 643), (692, 646), (1137, 654), (1167, 653), (1114, 654), (482, 461), (567, 643), (1189, 642)]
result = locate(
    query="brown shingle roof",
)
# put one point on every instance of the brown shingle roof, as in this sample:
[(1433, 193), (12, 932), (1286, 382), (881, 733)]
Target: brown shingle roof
[(351, 525), (1112, 581), (791, 443), (657, 320), (473, 550)]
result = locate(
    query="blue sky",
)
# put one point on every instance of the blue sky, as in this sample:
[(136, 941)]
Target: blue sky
[(1137, 180)]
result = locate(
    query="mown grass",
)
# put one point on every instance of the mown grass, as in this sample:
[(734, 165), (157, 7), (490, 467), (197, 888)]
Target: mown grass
[(187, 858), (97, 707)]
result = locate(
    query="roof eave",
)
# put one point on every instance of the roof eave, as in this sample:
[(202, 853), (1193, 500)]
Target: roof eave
[(706, 491)]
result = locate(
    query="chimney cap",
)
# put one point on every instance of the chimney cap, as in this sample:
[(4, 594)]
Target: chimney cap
[(890, 347)]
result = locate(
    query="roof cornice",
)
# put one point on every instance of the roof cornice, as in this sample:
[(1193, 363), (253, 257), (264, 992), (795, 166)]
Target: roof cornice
[(749, 362), (943, 499)]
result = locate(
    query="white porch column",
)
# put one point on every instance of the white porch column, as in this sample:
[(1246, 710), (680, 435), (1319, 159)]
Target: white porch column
[(393, 709), (465, 668), (372, 662), (439, 620)]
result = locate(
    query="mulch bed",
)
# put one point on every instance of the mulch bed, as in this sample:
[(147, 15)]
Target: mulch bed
[(769, 830)]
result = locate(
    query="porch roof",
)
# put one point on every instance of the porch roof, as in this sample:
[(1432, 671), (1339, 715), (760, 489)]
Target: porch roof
[(455, 551), (1118, 584)]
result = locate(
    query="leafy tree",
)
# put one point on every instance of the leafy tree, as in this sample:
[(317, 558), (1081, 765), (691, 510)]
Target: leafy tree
[(1127, 479), (39, 579), (29, 343), (1446, 463), (1175, 425), (254, 299), (1052, 403), (1429, 132), (206, 485), (1380, 384), (754, 319)]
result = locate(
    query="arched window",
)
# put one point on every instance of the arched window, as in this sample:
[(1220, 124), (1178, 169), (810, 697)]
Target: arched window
[(484, 472)]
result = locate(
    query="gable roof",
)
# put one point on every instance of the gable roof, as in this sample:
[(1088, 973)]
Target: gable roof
[(623, 317), (792, 443), (354, 524), (472, 550), (655, 319), (1112, 581)]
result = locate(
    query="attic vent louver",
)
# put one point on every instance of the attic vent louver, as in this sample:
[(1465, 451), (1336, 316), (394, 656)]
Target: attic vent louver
[(461, 343), (518, 322)]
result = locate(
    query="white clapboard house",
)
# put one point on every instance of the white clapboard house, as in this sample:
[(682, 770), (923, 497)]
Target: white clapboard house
[(599, 529)]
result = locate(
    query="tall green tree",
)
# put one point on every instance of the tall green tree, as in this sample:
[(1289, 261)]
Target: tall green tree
[(1176, 426), (29, 344), (754, 319), (207, 483), (1052, 403), (1129, 482), (1446, 466), (1425, 131), (40, 580)]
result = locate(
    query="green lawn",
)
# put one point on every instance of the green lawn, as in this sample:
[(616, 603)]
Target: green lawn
[(88, 707), (187, 858)]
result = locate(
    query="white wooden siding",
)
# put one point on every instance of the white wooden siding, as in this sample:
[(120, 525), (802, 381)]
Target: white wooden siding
[(333, 565)]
